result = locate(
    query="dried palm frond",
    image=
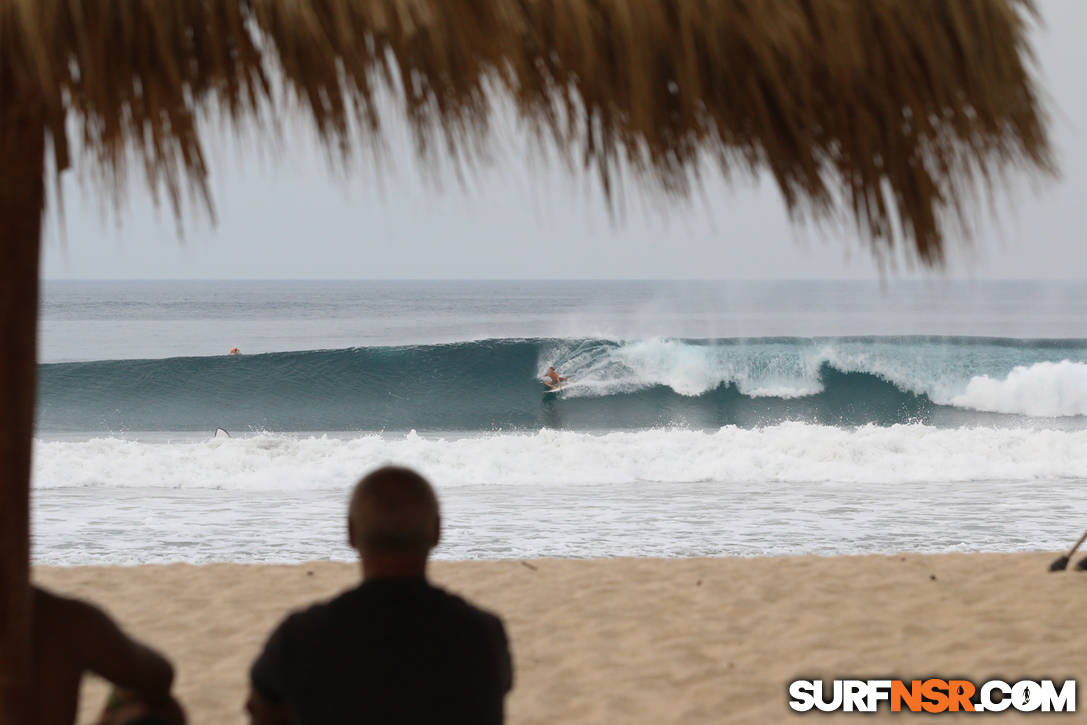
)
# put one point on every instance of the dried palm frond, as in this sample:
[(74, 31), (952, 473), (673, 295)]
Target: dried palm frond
[(905, 106)]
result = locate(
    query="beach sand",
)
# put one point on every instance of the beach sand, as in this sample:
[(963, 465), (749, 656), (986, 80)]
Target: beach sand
[(645, 640)]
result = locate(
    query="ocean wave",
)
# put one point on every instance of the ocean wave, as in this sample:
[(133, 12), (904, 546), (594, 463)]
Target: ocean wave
[(496, 385), (786, 453)]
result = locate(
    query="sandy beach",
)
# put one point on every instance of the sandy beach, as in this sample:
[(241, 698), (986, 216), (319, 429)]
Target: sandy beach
[(644, 640)]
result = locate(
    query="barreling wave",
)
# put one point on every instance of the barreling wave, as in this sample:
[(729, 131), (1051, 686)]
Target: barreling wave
[(494, 385)]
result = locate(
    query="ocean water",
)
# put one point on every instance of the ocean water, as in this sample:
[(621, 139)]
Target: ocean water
[(703, 418)]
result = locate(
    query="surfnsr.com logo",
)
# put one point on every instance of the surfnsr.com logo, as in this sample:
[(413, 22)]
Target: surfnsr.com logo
[(932, 695)]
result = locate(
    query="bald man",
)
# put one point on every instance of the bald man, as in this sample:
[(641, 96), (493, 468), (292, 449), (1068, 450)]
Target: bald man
[(395, 649)]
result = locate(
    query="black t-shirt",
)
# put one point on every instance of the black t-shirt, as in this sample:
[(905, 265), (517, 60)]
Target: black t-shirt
[(389, 651)]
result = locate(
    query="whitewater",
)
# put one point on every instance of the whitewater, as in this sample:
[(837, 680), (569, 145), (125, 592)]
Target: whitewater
[(789, 489), (794, 453), (704, 419)]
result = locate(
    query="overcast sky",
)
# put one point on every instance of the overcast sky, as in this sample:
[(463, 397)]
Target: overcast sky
[(287, 216)]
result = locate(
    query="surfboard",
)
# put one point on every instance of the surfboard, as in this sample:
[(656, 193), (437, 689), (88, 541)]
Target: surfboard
[(559, 389)]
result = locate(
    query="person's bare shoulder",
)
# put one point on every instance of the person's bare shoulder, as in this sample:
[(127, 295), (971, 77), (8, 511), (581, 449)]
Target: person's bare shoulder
[(71, 618), (58, 617), (98, 644)]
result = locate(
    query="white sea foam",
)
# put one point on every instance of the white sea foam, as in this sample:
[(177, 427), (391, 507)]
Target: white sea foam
[(790, 453), (1045, 389)]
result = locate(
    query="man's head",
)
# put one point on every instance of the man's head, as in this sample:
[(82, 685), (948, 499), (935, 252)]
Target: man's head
[(551, 369), (393, 520)]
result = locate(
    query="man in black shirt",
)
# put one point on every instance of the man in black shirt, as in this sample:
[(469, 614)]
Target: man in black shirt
[(395, 649)]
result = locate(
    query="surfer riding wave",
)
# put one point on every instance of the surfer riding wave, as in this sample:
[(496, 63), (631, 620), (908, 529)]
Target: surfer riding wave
[(554, 381)]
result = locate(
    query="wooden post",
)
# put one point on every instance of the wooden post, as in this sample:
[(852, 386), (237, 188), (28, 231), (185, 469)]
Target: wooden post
[(22, 151)]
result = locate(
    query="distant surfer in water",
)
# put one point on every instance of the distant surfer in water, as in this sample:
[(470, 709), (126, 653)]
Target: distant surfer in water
[(555, 380), (235, 351)]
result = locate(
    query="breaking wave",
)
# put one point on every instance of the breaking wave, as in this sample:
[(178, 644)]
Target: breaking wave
[(494, 385)]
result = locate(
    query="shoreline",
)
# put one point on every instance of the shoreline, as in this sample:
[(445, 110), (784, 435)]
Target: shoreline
[(640, 640)]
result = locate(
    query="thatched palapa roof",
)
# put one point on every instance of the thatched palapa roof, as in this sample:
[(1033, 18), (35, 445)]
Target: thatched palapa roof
[(886, 111)]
